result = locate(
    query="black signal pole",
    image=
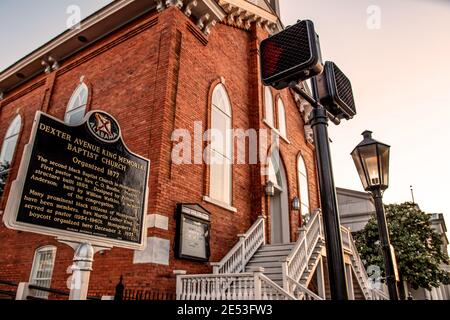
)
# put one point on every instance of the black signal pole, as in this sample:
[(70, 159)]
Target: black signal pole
[(331, 221)]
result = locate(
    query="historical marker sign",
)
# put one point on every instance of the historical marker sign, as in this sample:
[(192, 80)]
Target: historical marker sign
[(80, 182)]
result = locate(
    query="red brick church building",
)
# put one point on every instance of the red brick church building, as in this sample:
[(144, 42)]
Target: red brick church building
[(158, 67)]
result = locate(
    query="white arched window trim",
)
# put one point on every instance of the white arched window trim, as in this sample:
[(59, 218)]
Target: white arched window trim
[(268, 107), (303, 185), (281, 118), (10, 141), (274, 168), (42, 270), (221, 150), (76, 108)]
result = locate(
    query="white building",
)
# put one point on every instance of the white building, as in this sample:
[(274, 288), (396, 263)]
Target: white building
[(355, 210)]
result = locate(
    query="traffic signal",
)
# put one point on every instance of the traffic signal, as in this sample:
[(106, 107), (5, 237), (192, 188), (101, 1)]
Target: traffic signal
[(291, 55), (335, 92)]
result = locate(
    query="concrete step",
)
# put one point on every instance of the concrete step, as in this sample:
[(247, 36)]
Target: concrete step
[(317, 249), (265, 264), (268, 270), (314, 255), (276, 247), (276, 277), (280, 253), (266, 258)]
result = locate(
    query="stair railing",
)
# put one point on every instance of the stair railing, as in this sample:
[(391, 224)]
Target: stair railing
[(297, 262), (238, 286), (300, 292), (347, 239), (269, 290), (237, 258), (379, 295), (364, 282)]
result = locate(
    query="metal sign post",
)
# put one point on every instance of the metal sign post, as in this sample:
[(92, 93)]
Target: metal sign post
[(332, 227), (81, 268)]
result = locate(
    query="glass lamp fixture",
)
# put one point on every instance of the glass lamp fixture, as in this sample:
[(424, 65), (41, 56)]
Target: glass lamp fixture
[(270, 189), (305, 218), (296, 204), (372, 163)]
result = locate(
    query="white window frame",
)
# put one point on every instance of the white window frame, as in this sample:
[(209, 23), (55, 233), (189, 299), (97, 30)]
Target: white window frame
[(77, 103), (12, 133), (222, 107), (37, 267), (281, 110), (302, 177), (274, 173), (269, 107)]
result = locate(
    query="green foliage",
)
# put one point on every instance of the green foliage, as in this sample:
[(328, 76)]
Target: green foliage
[(3, 176), (417, 246)]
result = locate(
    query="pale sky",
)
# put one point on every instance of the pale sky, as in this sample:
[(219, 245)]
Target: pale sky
[(400, 75), (401, 81)]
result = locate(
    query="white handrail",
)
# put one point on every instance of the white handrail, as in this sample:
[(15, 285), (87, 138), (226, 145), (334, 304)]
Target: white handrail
[(315, 220), (238, 286), (379, 295), (347, 239), (241, 253), (361, 276), (296, 263), (303, 292), (271, 291)]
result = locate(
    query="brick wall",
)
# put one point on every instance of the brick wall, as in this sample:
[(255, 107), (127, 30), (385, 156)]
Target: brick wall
[(153, 76)]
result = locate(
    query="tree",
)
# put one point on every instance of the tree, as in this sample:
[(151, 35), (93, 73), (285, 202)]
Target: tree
[(417, 246), (3, 176)]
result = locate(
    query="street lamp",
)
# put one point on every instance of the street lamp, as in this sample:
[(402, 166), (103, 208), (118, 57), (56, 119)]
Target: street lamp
[(270, 189), (372, 162)]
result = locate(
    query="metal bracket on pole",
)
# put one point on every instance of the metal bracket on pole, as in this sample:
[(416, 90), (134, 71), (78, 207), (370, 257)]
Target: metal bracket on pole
[(315, 104), (82, 266)]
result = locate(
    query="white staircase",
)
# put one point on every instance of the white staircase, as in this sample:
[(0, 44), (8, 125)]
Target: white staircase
[(271, 257), (255, 270)]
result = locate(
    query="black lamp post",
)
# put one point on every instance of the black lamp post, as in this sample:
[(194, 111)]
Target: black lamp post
[(372, 162)]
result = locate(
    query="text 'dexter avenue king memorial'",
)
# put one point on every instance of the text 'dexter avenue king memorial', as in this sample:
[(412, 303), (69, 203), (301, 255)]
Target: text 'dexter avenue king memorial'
[(80, 182)]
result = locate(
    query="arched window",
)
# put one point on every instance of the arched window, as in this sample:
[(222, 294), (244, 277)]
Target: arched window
[(303, 185), (42, 270), (10, 141), (76, 107), (268, 106), (274, 168), (281, 117), (221, 147)]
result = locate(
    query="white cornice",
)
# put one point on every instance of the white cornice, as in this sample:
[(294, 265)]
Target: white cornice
[(98, 25), (216, 9), (251, 8)]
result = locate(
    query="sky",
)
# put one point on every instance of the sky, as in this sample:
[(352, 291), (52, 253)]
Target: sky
[(400, 75), (27, 24), (399, 67)]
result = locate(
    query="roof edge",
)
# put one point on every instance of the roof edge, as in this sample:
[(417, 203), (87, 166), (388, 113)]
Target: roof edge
[(98, 25)]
